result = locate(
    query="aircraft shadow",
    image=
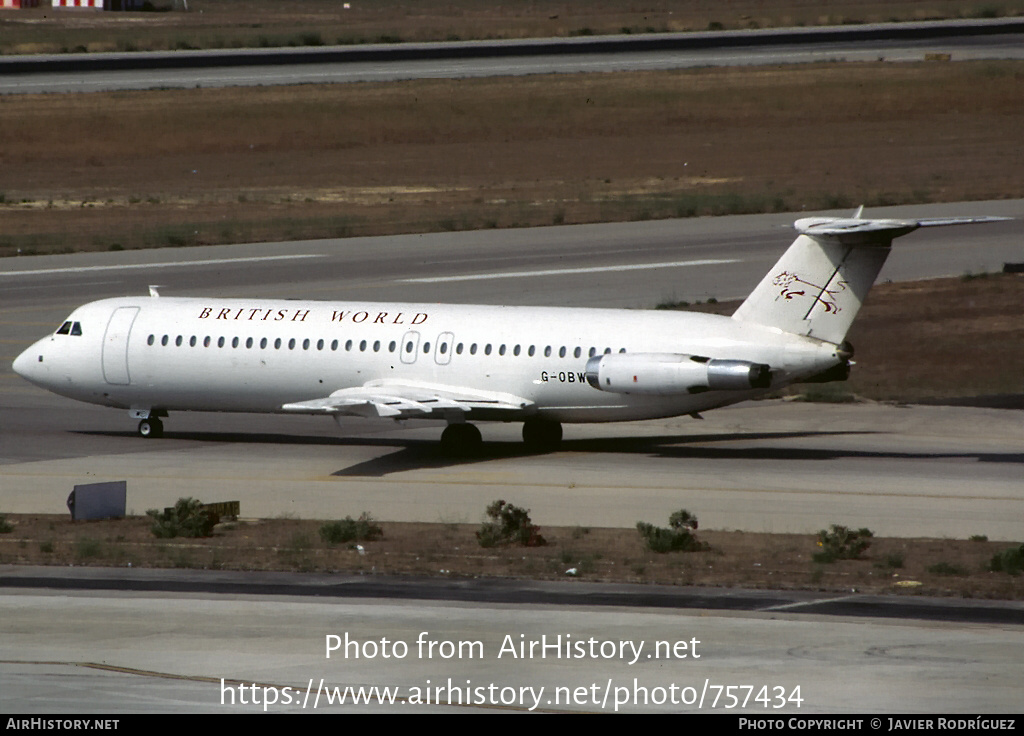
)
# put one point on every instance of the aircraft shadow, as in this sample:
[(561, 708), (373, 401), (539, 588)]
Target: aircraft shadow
[(416, 456)]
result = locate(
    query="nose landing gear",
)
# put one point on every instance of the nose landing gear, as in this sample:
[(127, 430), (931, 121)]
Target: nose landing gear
[(151, 427)]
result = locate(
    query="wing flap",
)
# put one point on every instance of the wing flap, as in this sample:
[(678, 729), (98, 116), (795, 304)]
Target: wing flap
[(400, 400)]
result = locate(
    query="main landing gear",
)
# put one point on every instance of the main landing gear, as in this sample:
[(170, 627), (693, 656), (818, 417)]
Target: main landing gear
[(151, 427), (461, 440), (542, 435)]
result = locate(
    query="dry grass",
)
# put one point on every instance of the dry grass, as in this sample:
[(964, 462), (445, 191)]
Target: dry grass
[(261, 23), (187, 167), (780, 561)]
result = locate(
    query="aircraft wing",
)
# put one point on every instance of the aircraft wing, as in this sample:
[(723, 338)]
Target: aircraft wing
[(406, 399)]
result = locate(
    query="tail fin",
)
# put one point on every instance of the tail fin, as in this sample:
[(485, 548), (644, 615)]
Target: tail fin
[(821, 281)]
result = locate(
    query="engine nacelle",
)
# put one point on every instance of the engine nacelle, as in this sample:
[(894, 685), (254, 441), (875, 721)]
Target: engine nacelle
[(672, 373)]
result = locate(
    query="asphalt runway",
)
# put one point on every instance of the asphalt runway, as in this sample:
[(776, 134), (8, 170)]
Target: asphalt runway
[(966, 47), (766, 466)]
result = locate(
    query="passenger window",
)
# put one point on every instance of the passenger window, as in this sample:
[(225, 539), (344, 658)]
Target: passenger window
[(408, 347), (319, 344), (592, 353), (206, 341), (576, 353), (458, 349), (376, 346), (220, 342), (391, 346), (501, 350), (177, 341), (277, 344), (561, 352), (305, 344), (234, 342), (334, 344), (547, 352), (151, 340), (263, 344), (487, 350), (362, 346), (426, 347), (348, 345), (531, 351), (163, 340), (472, 349), (192, 341)]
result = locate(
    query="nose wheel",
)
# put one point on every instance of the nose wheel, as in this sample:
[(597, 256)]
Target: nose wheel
[(151, 427)]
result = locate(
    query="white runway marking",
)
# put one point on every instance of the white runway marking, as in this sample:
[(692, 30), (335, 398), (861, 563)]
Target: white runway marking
[(168, 264), (562, 271)]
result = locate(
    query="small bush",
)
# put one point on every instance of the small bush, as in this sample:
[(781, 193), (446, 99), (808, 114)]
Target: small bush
[(363, 529), (5, 526), (188, 518), (678, 538), (1010, 561), (509, 525), (841, 543)]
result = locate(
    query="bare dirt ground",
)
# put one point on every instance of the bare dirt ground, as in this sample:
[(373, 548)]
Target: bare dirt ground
[(192, 167), (266, 23), (944, 567)]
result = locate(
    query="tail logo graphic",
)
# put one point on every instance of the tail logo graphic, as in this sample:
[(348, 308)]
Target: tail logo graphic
[(827, 297)]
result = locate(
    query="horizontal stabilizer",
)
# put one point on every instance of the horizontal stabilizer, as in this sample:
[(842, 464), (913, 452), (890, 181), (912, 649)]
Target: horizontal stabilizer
[(853, 230)]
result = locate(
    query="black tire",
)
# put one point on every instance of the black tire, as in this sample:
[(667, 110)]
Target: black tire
[(541, 435), (150, 428), (461, 440)]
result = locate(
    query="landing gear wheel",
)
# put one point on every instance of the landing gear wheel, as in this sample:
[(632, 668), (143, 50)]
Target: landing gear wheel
[(151, 427), (541, 435), (461, 440)]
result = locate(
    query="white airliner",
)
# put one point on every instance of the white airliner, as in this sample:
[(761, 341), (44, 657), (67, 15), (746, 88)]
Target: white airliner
[(540, 366)]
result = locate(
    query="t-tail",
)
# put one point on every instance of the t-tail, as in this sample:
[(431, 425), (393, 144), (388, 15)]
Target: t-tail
[(821, 281)]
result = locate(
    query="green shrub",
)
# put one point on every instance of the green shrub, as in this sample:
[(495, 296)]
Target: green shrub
[(1010, 561), (509, 525), (5, 526), (188, 518), (841, 543), (678, 538), (363, 529)]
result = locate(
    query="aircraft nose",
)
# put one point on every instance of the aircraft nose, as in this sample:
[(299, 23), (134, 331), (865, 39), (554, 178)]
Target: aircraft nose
[(25, 365)]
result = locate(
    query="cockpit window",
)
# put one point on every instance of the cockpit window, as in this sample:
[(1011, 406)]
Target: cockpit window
[(70, 328)]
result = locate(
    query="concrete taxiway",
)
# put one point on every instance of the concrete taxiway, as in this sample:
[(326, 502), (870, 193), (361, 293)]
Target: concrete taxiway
[(119, 652)]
